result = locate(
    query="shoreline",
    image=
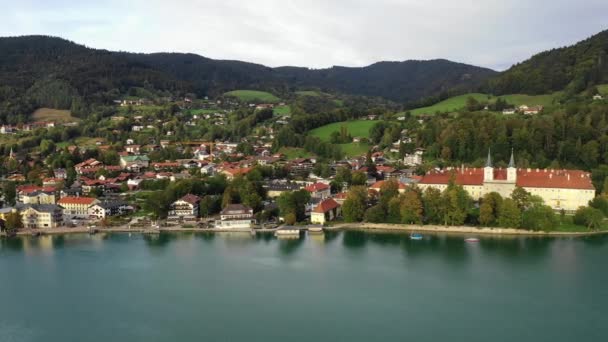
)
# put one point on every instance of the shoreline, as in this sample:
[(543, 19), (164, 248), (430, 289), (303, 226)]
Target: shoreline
[(355, 226), (462, 230)]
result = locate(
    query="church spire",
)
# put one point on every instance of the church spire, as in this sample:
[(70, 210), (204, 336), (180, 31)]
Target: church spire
[(489, 161), (512, 161)]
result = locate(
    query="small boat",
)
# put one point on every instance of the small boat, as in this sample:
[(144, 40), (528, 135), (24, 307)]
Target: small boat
[(416, 236), (472, 239)]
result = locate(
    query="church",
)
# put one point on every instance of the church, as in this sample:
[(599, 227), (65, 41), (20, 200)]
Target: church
[(560, 189)]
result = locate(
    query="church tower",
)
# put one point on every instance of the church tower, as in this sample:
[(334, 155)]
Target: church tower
[(512, 170), (488, 171)]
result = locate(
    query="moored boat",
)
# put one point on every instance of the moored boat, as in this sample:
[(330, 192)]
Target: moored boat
[(416, 236), (471, 240)]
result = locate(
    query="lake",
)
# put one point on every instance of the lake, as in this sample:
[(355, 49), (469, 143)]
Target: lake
[(343, 286)]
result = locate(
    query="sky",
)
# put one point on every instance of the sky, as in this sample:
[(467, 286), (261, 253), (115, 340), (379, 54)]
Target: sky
[(316, 33)]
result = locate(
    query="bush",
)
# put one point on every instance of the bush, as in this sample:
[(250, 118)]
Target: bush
[(589, 217)]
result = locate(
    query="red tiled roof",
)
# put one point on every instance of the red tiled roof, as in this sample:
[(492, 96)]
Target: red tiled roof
[(77, 200), (326, 205), (190, 198), (316, 187), (563, 179)]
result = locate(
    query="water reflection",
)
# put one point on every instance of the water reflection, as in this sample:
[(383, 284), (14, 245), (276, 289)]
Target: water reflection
[(288, 246)]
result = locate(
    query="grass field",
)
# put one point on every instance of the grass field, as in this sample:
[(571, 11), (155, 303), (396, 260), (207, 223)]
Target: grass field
[(458, 102), (295, 152), (354, 149), (357, 128), (56, 115), (282, 110), (309, 93), (251, 95)]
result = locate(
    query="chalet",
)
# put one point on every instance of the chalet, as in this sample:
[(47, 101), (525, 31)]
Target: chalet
[(231, 173), (87, 164), (39, 197), (508, 111), (60, 173), (301, 166), (325, 211), (134, 163), (533, 110), (319, 191), (167, 165), (414, 159), (236, 216), (186, 208), (24, 191), (135, 149)]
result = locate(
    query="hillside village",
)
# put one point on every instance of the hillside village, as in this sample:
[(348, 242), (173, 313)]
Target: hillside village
[(153, 167)]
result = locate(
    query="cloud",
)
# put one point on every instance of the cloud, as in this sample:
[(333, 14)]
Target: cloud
[(315, 33)]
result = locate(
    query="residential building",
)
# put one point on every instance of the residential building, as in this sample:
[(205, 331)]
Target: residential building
[(187, 207), (325, 211), (236, 216), (41, 216), (108, 208), (378, 186), (318, 191), (134, 163), (77, 206)]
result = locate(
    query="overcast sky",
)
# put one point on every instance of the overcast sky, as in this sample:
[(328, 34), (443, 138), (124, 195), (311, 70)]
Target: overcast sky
[(316, 33)]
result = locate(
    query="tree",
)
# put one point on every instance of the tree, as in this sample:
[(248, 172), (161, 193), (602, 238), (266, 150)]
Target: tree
[(13, 221), (457, 204), (293, 203), (355, 204), (509, 215), (539, 217), (375, 214), (433, 205), (290, 219), (600, 203), (411, 207), (10, 192), (589, 217), (358, 178), (489, 209), (343, 175), (369, 163), (521, 198)]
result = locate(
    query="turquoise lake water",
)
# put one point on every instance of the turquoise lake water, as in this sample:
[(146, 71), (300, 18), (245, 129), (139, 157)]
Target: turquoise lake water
[(347, 286)]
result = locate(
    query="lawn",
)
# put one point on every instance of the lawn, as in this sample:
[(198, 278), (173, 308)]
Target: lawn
[(252, 95), (458, 102), (282, 110), (357, 128), (56, 115), (295, 152), (354, 149)]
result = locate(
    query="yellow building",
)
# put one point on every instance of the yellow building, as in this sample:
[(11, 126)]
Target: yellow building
[(41, 216), (560, 189)]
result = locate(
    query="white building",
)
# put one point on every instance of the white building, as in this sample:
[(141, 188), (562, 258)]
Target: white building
[(236, 216)]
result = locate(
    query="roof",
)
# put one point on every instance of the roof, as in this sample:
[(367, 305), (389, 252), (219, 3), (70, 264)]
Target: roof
[(537, 178), (129, 159), (77, 200), (326, 205), (190, 198), (235, 209), (317, 187)]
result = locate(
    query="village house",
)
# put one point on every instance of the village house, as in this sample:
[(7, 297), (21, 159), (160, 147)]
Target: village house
[(508, 111), (533, 110), (186, 208), (235, 216), (560, 189), (275, 189), (77, 207), (41, 216), (60, 173), (87, 165), (231, 173), (325, 211), (39, 197), (107, 209), (414, 159), (378, 186), (318, 191), (301, 166), (134, 163)]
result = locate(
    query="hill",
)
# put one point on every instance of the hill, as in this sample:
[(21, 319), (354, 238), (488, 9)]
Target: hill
[(459, 102), (572, 68), (42, 71)]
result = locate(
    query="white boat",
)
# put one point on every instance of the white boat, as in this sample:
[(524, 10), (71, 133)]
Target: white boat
[(471, 239), (416, 236)]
